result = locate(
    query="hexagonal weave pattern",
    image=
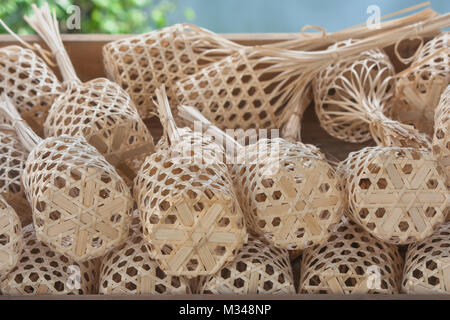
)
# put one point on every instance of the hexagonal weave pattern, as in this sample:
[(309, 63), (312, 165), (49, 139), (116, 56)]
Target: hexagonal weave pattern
[(192, 220), (41, 271), (103, 113), (259, 268), (289, 193), (81, 206), (11, 240), (397, 194), (441, 141), (30, 83), (351, 262), (427, 268)]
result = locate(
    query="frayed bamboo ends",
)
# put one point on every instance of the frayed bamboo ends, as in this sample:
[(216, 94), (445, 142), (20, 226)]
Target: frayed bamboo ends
[(32, 86), (259, 268), (419, 87), (143, 63), (11, 238), (427, 268), (399, 195), (81, 206), (441, 141), (42, 271), (290, 194), (104, 115), (351, 262)]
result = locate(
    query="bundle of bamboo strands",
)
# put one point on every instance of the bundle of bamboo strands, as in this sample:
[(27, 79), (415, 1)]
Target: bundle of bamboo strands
[(263, 87), (81, 206), (351, 262), (42, 271), (98, 110), (441, 140), (352, 97), (399, 195), (192, 221), (12, 163), (11, 239), (289, 193), (419, 87), (259, 268)]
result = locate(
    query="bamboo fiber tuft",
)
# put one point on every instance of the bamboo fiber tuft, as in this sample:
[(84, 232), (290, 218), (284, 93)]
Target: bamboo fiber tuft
[(11, 240)]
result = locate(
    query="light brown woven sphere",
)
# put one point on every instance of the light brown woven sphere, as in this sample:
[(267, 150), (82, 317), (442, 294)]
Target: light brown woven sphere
[(441, 140)]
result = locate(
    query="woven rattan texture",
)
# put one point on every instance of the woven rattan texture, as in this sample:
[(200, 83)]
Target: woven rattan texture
[(81, 206), (289, 193), (259, 268), (397, 194), (30, 83), (103, 113), (41, 271), (427, 268), (192, 221), (143, 63), (441, 141), (11, 240), (351, 262), (12, 163), (419, 88)]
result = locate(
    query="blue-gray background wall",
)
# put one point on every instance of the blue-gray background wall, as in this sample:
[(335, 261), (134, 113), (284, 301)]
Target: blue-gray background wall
[(239, 16)]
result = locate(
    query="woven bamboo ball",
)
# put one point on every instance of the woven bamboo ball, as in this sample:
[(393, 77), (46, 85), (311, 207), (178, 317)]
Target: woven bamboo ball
[(351, 262), (143, 63), (397, 194), (10, 238), (103, 113), (289, 193), (81, 206), (192, 220), (441, 141), (427, 268), (30, 83), (419, 87), (12, 163), (259, 268), (42, 271)]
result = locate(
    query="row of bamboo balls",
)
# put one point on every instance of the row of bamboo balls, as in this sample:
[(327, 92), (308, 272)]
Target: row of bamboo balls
[(193, 232)]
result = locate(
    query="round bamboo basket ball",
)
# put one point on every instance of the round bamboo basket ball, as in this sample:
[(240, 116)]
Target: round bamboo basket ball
[(351, 262), (12, 163), (398, 195), (42, 271), (258, 268), (289, 193), (81, 206), (441, 140), (427, 268), (351, 90), (30, 83), (104, 115), (11, 240), (193, 223)]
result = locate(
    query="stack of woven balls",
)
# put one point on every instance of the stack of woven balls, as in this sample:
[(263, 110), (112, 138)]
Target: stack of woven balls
[(90, 205)]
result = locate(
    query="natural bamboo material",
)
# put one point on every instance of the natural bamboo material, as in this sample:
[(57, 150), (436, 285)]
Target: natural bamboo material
[(81, 206), (353, 96), (259, 268), (399, 195), (441, 141), (419, 87), (11, 239), (192, 220), (351, 262), (427, 268), (12, 163), (99, 110), (42, 271), (30, 83), (263, 87), (289, 193)]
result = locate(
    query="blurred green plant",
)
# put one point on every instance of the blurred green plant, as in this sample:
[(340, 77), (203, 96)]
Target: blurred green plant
[(97, 16)]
